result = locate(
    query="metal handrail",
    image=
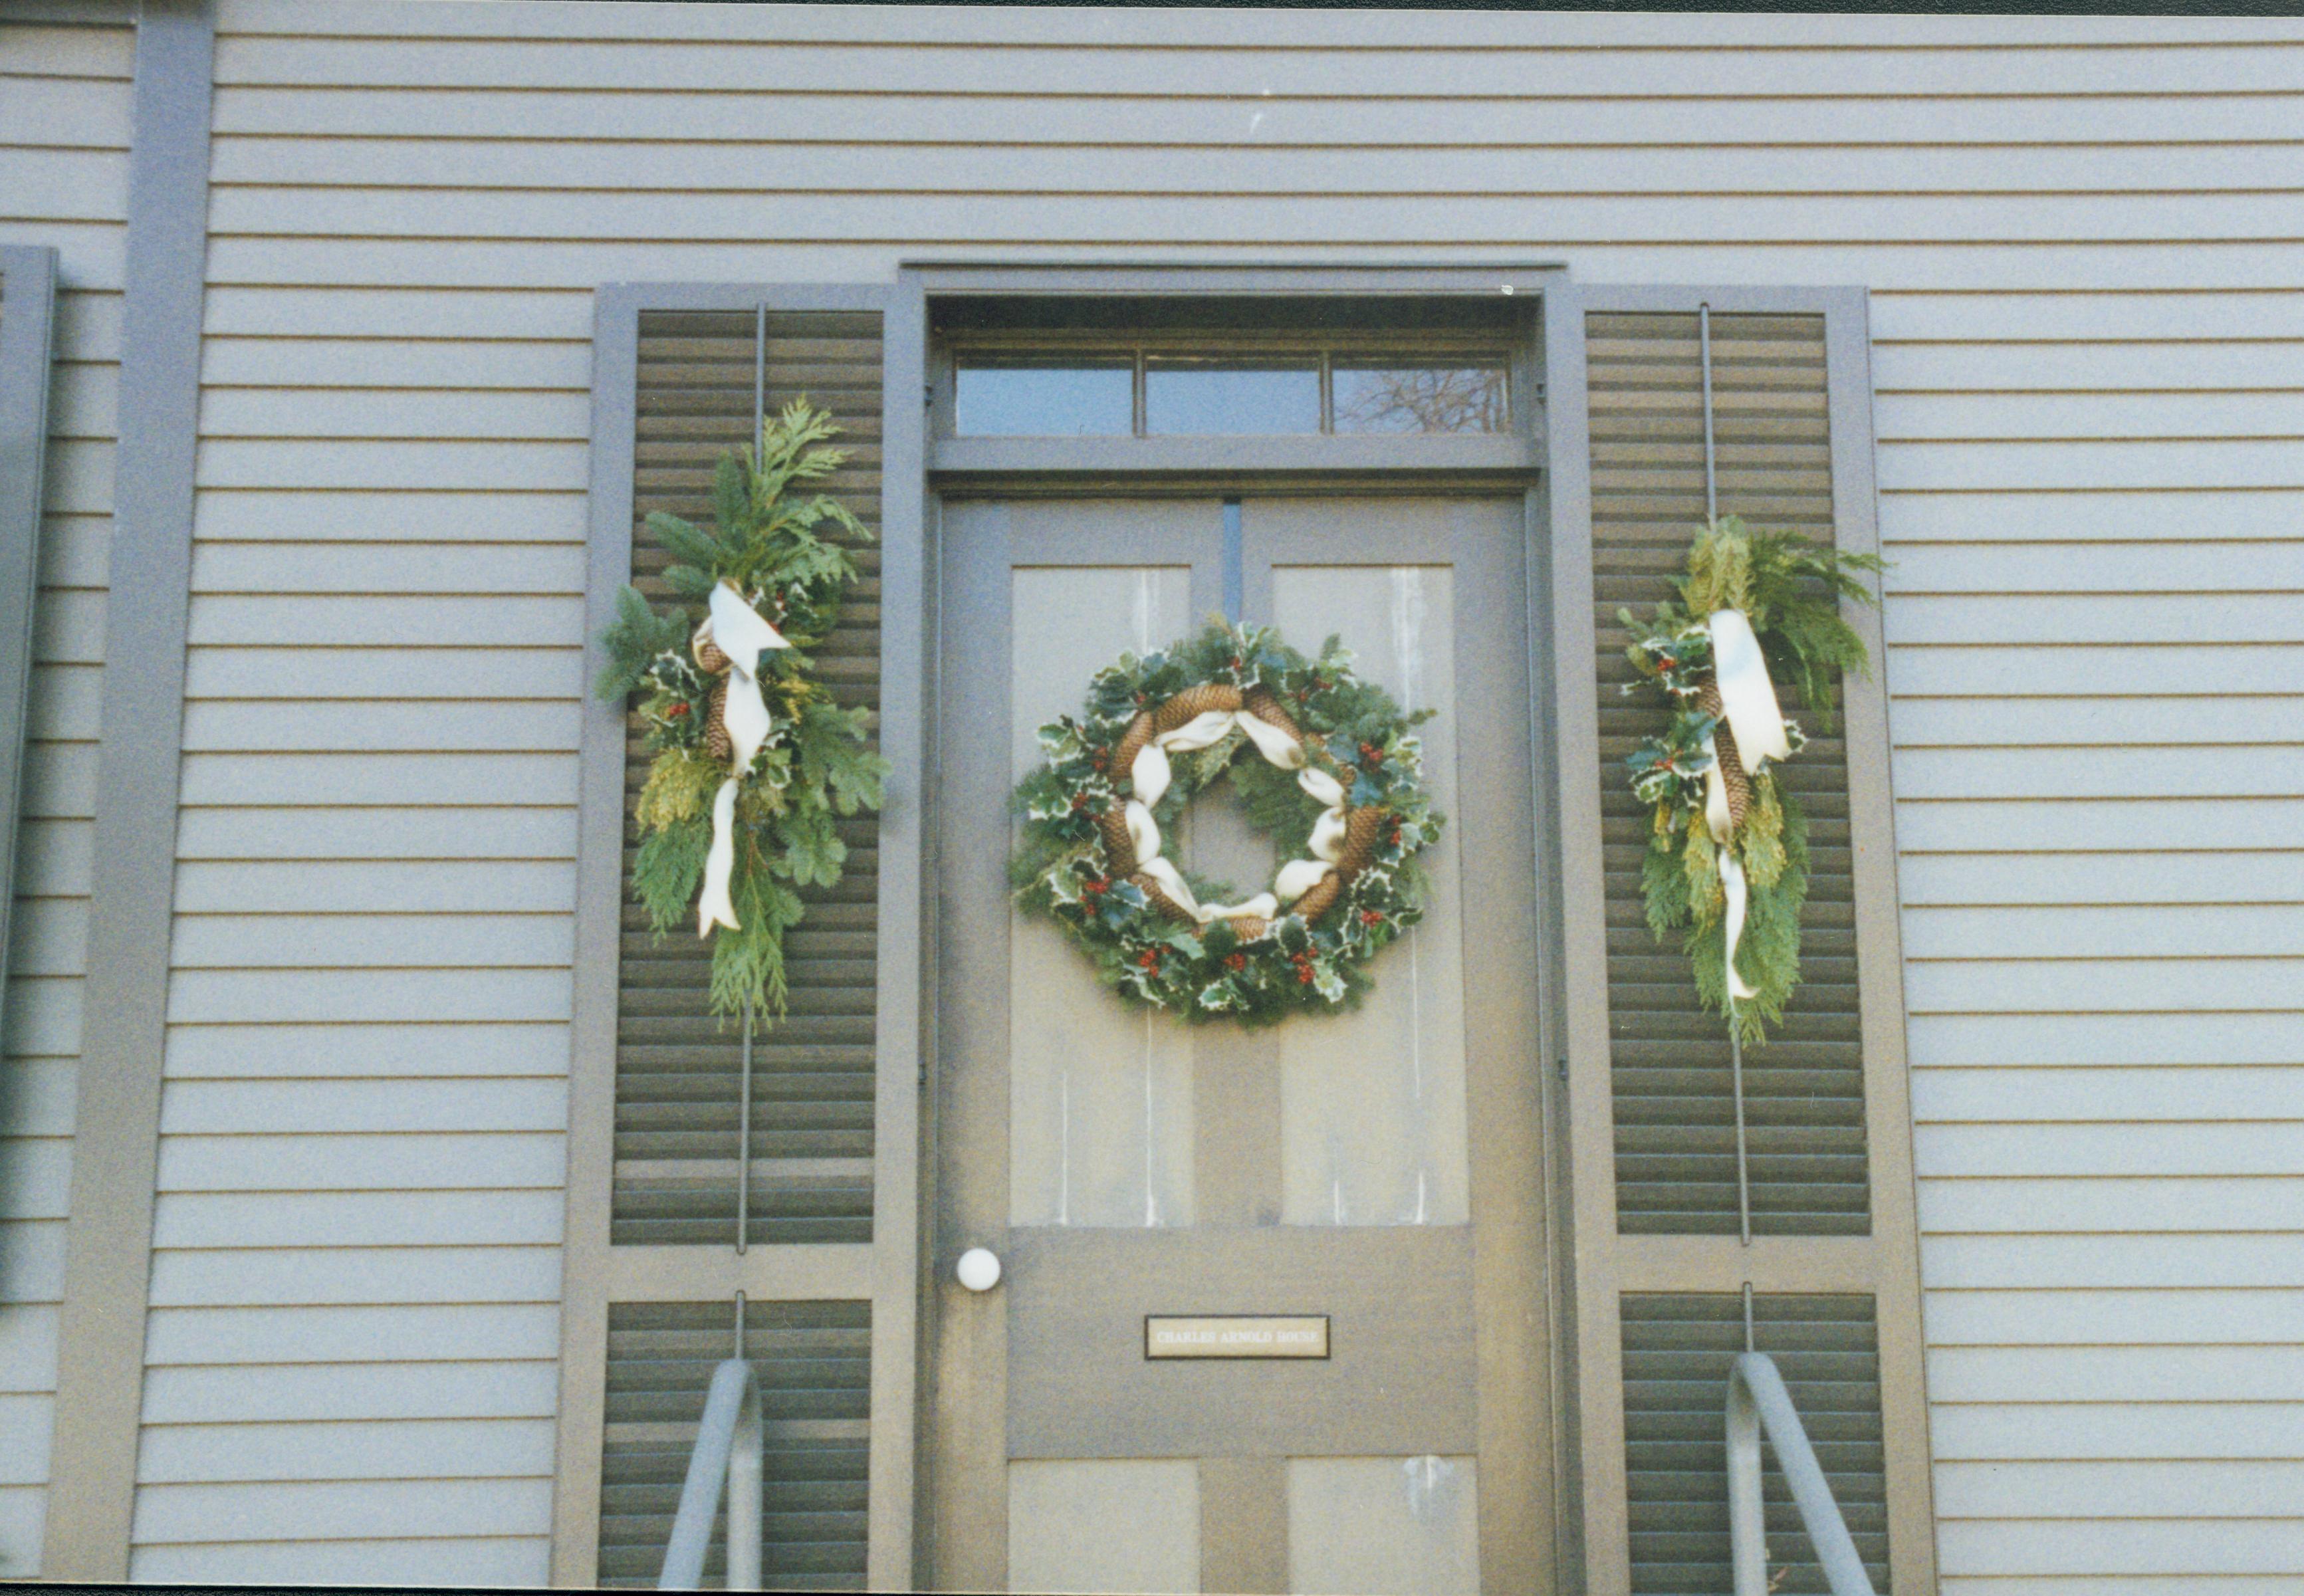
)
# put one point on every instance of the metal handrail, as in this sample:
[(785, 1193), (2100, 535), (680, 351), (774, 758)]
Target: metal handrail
[(728, 1450), (1756, 1402)]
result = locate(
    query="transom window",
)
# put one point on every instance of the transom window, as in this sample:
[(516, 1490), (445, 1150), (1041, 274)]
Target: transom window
[(1296, 371), (1147, 394)]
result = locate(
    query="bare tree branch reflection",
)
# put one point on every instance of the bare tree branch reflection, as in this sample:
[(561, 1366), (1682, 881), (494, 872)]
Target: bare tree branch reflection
[(1421, 399)]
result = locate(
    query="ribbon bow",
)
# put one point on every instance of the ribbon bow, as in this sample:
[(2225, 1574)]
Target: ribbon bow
[(736, 628), (1747, 702)]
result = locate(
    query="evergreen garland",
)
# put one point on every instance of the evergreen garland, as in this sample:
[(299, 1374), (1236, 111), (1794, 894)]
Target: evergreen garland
[(1354, 732), (769, 541), (1790, 589)]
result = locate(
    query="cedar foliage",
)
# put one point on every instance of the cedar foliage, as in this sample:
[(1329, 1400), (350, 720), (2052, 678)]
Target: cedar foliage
[(773, 537), (1790, 588)]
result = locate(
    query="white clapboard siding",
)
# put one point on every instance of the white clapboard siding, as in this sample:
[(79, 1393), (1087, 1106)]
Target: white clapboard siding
[(2089, 403), (65, 132)]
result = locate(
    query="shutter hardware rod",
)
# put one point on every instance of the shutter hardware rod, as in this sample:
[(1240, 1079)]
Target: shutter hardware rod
[(1735, 1042), (744, 1083)]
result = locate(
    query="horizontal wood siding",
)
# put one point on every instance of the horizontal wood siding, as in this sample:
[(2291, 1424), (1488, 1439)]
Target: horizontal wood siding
[(2082, 240), (66, 97)]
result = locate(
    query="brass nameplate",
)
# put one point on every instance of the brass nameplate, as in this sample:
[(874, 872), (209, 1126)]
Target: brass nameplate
[(1236, 1335)]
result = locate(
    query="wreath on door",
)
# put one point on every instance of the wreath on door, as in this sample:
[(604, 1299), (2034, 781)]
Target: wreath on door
[(1329, 766)]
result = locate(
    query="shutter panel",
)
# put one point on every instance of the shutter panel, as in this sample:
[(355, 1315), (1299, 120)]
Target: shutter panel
[(678, 1089), (1677, 1347), (654, 1267), (815, 1366), (1832, 1261), (1804, 1091)]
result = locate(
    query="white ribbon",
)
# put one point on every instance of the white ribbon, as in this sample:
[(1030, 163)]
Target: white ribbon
[(1151, 774), (737, 631), (713, 907), (1732, 877), (1747, 696), (1748, 703)]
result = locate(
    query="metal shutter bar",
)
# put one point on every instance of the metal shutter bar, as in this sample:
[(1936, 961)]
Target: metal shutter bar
[(728, 1452), (1757, 1401)]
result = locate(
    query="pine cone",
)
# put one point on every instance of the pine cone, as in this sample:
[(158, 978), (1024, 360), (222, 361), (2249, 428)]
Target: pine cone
[(1193, 702), (1258, 701), (1164, 905), (1119, 847), (1321, 898), (710, 660), (1361, 828), (717, 741), (1250, 928), (1732, 765), (1131, 744)]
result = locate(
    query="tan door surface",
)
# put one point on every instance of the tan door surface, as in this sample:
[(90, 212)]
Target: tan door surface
[(1379, 1169)]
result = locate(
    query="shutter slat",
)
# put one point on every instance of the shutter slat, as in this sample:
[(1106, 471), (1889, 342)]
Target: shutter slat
[(1677, 1349), (1803, 1092), (677, 1065), (814, 1361)]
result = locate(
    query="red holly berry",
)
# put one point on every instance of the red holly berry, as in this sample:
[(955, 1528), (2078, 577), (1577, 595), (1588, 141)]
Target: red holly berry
[(1235, 960), (1149, 958), (1235, 664), (1099, 885), (1369, 917), (1080, 800), (677, 709), (1371, 753), (1304, 975)]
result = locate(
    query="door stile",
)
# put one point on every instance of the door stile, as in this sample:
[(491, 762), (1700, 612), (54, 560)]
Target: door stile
[(1599, 1376), (984, 542), (1504, 1082)]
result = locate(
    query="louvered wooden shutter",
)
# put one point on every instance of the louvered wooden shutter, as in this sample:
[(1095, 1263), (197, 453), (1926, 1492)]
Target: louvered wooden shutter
[(678, 1084), (815, 1366), (658, 1145), (1661, 1268)]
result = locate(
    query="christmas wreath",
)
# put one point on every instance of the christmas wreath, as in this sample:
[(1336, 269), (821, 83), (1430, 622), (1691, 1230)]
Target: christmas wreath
[(1328, 768), (752, 760), (1727, 861)]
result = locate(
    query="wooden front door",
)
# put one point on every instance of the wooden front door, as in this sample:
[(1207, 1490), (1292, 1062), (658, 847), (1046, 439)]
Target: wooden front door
[(1379, 1168)]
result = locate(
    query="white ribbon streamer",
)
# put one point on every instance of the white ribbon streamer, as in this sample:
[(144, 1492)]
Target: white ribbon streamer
[(1151, 772), (737, 631), (1746, 694), (712, 906), (1732, 877)]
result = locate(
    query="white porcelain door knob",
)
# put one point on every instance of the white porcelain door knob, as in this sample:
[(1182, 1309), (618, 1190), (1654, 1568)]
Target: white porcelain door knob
[(979, 1270)]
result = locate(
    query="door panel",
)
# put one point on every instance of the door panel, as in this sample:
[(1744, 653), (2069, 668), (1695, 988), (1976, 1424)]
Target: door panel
[(1100, 1097), (1123, 1164)]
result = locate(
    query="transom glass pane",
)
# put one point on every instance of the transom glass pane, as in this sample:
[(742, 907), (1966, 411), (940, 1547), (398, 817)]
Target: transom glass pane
[(1396, 397), (1076, 398), (1190, 395)]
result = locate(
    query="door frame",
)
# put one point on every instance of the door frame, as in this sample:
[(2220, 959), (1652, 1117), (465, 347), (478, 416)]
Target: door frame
[(1244, 467)]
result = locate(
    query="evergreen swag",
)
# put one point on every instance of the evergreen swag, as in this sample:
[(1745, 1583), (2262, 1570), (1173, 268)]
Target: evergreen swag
[(768, 543), (1790, 589), (1245, 968)]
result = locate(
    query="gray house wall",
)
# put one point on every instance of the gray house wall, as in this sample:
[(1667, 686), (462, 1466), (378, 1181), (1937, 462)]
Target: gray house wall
[(64, 99), (2080, 235)]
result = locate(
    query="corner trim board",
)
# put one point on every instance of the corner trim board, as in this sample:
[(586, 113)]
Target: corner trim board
[(27, 282), (108, 1235)]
